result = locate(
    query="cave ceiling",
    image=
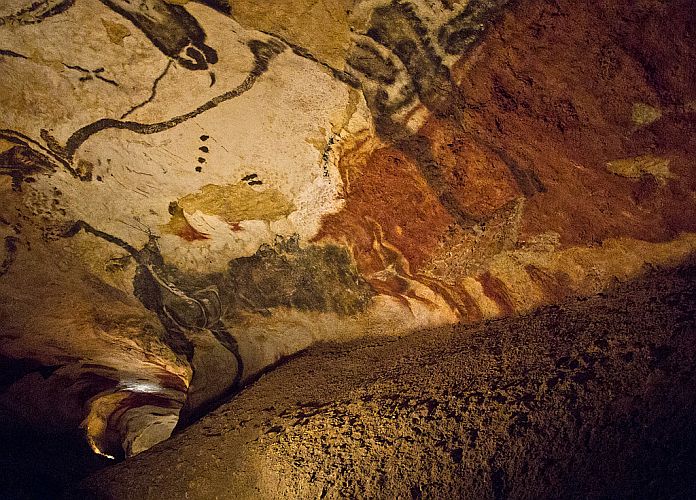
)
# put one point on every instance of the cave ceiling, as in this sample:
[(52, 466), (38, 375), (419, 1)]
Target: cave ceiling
[(193, 190)]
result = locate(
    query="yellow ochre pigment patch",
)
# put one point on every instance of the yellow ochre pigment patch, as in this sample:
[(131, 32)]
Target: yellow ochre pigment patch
[(634, 168), (237, 202), (321, 27), (116, 31), (644, 114), (6, 145)]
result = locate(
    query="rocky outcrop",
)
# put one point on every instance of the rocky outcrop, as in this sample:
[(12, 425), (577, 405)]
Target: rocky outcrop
[(592, 398), (195, 190)]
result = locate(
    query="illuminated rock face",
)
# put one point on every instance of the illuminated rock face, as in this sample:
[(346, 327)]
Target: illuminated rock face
[(192, 192)]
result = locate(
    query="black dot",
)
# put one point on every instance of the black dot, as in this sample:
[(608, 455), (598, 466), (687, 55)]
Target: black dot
[(199, 169), (204, 149), (201, 159), (205, 137)]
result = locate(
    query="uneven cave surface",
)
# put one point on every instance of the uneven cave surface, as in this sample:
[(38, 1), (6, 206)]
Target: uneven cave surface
[(591, 398), (384, 248)]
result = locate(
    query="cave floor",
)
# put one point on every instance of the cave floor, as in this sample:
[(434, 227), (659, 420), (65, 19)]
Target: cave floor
[(591, 398)]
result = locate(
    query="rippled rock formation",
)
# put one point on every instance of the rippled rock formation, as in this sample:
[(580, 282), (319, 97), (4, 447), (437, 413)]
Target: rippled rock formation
[(194, 190), (591, 398)]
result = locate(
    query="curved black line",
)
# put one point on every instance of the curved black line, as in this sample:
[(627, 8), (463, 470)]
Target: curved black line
[(300, 51), (87, 228), (153, 93), (263, 53), (229, 342), (12, 53)]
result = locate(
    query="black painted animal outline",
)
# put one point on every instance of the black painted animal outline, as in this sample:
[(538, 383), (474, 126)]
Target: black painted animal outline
[(169, 27), (173, 322), (61, 156)]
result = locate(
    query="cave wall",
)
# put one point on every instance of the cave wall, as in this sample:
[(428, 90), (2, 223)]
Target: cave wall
[(194, 190), (590, 398)]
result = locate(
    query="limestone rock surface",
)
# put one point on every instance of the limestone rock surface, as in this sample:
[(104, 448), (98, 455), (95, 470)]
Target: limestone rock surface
[(192, 191), (591, 398)]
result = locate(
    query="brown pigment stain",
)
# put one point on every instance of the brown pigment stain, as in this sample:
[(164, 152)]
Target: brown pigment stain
[(556, 285), (397, 281), (497, 291), (237, 202), (384, 186), (479, 180), (189, 233), (457, 297), (561, 107), (116, 31), (468, 307)]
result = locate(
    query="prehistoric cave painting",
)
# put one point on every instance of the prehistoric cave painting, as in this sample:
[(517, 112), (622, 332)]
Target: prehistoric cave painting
[(177, 310), (91, 74), (21, 163), (232, 203), (171, 29), (315, 278), (398, 28), (180, 226), (62, 156), (321, 278), (32, 156), (175, 32), (428, 217), (192, 308), (463, 32), (263, 53), (398, 59), (36, 11), (191, 320), (237, 202)]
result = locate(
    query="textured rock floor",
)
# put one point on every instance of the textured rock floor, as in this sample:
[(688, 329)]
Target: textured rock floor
[(193, 186), (593, 398)]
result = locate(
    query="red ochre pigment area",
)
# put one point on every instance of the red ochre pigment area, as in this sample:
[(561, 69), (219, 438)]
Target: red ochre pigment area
[(554, 86), (547, 101)]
